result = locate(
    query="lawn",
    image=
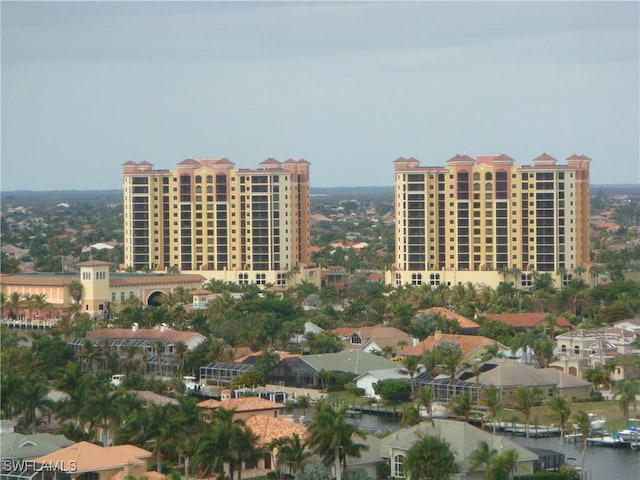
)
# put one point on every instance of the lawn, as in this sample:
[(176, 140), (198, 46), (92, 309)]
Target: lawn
[(610, 410)]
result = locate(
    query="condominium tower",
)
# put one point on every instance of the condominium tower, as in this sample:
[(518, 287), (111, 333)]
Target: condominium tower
[(238, 225), (487, 220)]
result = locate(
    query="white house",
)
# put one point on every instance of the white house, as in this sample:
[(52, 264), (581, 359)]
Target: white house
[(367, 380)]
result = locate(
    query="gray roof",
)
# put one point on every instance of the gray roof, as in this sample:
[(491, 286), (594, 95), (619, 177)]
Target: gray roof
[(353, 361), (511, 373), (386, 374), (461, 436), (18, 446)]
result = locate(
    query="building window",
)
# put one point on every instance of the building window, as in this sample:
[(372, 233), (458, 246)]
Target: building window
[(243, 278), (261, 278), (398, 466), (398, 279), (355, 339), (434, 279), (416, 279), (526, 280), (281, 279)]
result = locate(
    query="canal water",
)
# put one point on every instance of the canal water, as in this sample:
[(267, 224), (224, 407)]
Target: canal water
[(601, 463)]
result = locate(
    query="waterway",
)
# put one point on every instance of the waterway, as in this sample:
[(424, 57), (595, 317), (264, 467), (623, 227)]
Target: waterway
[(601, 463)]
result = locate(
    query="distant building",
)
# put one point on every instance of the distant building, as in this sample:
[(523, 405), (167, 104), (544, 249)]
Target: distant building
[(209, 217), (485, 220), (101, 289), (155, 349)]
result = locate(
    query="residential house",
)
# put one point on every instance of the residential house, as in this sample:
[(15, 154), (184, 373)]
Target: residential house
[(581, 349), (16, 446), (158, 360), (462, 437), (374, 339), (509, 374), (263, 418), (368, 380), (308, 371), (473, 347), (87, 461), (243, 407), (467, 326)]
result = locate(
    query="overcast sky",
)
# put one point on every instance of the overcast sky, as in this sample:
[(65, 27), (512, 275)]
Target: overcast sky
[(349, 87)]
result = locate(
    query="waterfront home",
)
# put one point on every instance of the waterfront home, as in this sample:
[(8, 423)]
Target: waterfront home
[(582, 349), (86, 460), (317, 371), (462, 437), (243, 407), (466, 326), (16, 446), (368, 380), (373, 339), (473, 347)]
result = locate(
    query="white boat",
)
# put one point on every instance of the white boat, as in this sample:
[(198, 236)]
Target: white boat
[(597, 423), (630, 434)]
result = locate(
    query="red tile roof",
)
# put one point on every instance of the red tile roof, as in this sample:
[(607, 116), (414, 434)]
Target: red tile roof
[(527, 319), (464, 322), (242, 404), (467, 343)]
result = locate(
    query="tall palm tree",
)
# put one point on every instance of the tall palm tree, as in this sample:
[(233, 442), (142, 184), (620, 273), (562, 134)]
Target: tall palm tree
[(524, 400), (627, 391), (90, 355), (424, 398), (583, 424), (290, 453), (411, 364), (332, 437), (76, 290), (34, 399), (492, 399), (560, 412), (429, 457)]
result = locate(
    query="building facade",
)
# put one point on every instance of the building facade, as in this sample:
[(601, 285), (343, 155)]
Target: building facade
[(238, 225), (486, 220)]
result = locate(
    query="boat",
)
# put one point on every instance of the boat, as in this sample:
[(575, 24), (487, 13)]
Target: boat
[(630, 434), (597, 424), (352, 412)]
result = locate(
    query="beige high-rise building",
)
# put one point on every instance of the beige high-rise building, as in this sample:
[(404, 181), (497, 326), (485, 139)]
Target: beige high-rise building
[(238, 225), (487, 220)]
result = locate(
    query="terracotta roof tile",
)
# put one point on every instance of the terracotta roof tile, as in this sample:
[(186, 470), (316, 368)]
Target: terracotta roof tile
[(89, 457), (242, 404), (467, 343), (464, 322), (269, 428)]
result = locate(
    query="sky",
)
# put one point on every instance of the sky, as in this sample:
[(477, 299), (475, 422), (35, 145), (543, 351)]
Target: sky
[(348, 86)]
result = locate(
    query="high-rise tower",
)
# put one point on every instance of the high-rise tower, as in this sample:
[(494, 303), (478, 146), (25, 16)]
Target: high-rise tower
[(239, 225), (481, 220)]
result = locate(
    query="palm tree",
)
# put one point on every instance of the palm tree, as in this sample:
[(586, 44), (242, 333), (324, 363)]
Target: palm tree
[(497, 466), (76, 290), (290, 452), (331, 437), (158, 346), (90, 354), (583, 424), (525, 398), (411, 364), (34, 399), (485, 456), (429, 458), (492, 399), (560, 412), (462, 404), (424, 397), (627, 391)]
